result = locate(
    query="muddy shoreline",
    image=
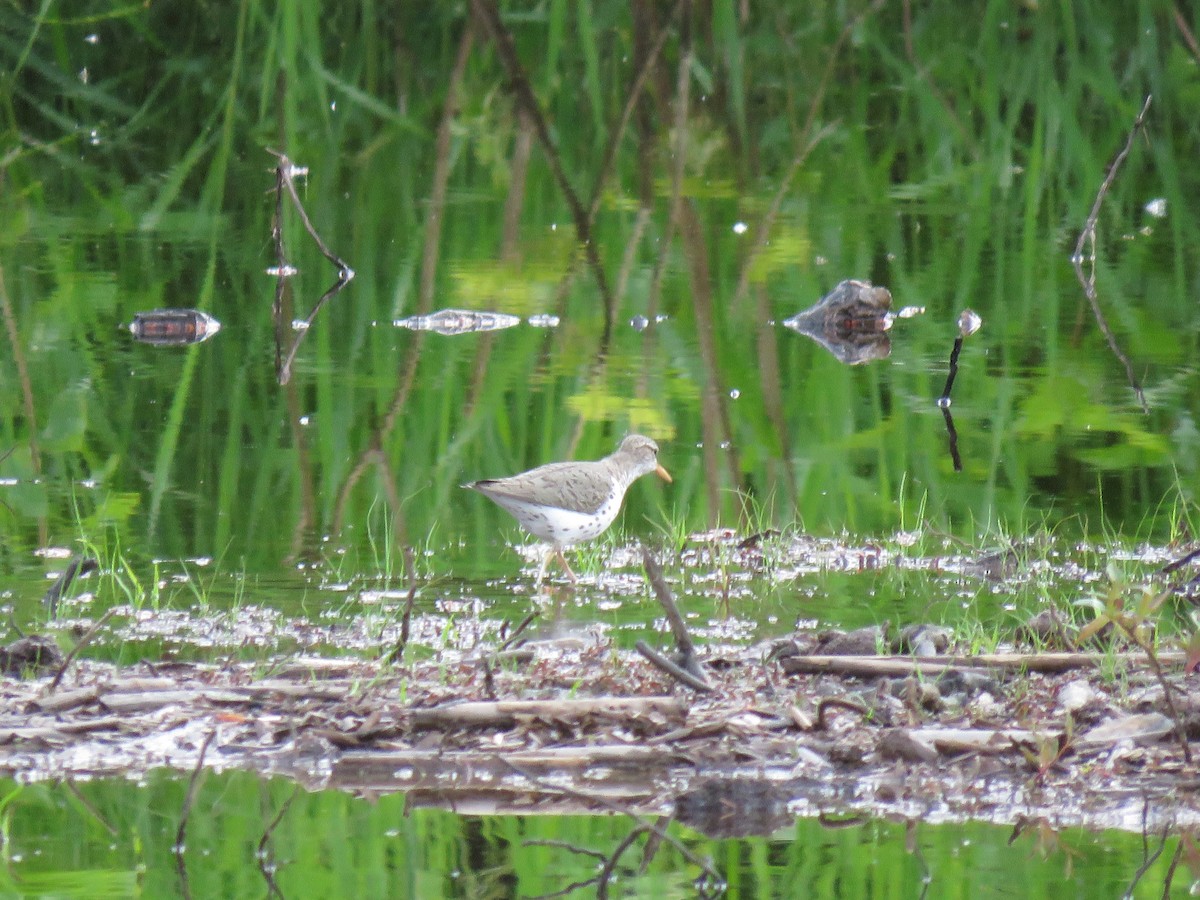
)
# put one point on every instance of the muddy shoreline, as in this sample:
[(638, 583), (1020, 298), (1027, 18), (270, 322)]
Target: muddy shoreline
[(583, 728)]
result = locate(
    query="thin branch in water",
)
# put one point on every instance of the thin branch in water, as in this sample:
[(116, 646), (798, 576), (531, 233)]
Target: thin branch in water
[(285, 181), (1088, 237), (268, 868), (565, 845), (610, 866), (709, 873), (1148, 858), (185, 813), (92, 811)]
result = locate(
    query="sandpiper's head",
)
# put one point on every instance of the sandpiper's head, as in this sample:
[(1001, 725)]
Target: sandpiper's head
[(640, 454)]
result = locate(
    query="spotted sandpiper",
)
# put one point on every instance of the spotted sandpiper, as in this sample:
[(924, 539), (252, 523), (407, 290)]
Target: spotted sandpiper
[(568, 502)]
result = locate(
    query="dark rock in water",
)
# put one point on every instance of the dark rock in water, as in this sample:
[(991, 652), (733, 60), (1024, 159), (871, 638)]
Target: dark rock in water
[(851, 322), (734, 807), (173, 327), (34, 655)]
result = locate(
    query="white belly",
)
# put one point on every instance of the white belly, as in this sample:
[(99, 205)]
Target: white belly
[(561, 526)]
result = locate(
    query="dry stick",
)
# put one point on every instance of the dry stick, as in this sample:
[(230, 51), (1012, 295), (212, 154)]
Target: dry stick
[(86, 804), (683, 640), (519, 85), (1088, 236), (1169, 879), (83, 642), (879, 666), (671, 668), (288, 172), (565, 845), (570, 888), (1188, 37), (838, 703), (1180, 563)]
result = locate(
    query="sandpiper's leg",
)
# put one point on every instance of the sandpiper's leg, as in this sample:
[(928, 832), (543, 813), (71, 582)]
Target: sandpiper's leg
[(562, 559), (542, 568)]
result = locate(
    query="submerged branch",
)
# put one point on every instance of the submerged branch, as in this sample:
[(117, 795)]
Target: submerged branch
[(1088, 237)]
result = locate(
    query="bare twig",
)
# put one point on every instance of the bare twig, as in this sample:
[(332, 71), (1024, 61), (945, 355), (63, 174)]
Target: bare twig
[(675, 671), (83, 642), (684, 645), (86, 804), (1144, 645), (1188, 37), (1088, 237), (606, 873), (880, 666), (565, 845)]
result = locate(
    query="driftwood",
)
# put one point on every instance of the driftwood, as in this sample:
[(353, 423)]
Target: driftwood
[(900, 666)]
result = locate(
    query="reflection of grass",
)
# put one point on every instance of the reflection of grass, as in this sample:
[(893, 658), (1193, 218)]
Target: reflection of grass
[(950, 210)]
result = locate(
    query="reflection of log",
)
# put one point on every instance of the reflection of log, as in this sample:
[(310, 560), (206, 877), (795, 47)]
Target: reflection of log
[(503, 713)]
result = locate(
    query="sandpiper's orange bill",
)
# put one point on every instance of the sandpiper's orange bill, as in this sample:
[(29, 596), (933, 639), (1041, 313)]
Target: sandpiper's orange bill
[(663, 473)]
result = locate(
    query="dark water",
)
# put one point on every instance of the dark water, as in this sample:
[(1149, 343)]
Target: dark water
[(956, 169)]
